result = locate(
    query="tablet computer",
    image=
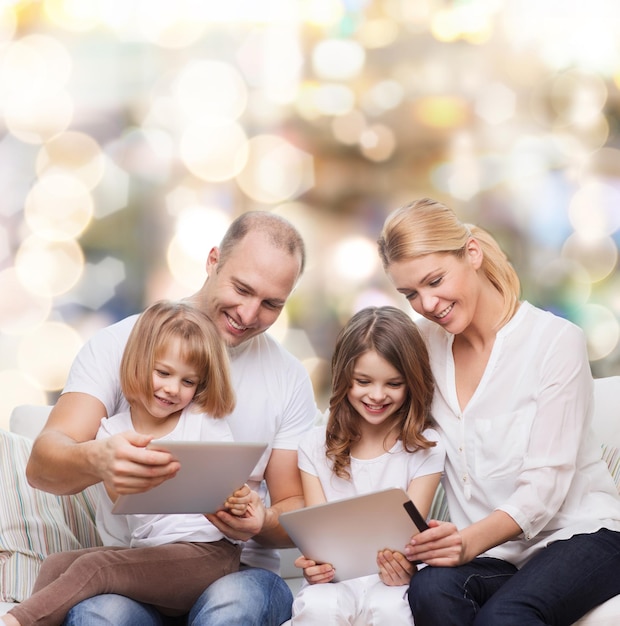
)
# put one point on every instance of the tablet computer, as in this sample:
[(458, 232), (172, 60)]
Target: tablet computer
[(348, 533), (210, 472)]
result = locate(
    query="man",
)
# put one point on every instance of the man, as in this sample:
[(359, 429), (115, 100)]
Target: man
[(249, 278)]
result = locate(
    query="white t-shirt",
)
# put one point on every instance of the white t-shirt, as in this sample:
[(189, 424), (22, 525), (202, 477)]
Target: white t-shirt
[(523, 444), (396, 468), (274, 399), (139, 531)]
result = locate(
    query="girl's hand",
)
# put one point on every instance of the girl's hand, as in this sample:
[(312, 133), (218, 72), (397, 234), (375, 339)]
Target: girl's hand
[(315, 573), (242, 527), (441, 545), (238, 502), (394, 568)]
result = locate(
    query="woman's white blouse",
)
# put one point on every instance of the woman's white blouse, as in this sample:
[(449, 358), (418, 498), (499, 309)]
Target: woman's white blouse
[(523, 443)]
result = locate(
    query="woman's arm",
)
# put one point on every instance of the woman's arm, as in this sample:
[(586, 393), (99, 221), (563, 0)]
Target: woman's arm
[(444, 546)]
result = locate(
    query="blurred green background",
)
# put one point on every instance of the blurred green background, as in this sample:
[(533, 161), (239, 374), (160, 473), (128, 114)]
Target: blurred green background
[(133, 131)]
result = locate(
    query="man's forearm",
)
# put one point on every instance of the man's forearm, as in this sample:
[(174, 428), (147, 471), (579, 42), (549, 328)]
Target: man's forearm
[(59, 465), (273, 534)]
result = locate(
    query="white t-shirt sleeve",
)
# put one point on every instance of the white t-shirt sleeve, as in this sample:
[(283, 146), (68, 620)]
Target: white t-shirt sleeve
[(300, 410), (95, 370), (311, 449)]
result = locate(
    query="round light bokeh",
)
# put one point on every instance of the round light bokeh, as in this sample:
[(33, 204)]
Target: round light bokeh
[(597, 256), (214, 149), (205, 89), (58, 207), (338, 59), (49, 268), (198, 229), (45, 355), (21, 311), (74, 152), (276, 171), (353, 259), (601, 328)]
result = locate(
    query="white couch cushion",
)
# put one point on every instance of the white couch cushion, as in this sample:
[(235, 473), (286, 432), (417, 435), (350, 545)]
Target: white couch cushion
[(607, 614)]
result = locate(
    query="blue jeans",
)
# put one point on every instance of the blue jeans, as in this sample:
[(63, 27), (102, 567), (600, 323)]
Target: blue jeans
[(251, 596), (558, 586)]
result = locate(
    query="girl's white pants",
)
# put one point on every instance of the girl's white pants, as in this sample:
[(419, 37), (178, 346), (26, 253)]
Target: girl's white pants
[(362, 601)]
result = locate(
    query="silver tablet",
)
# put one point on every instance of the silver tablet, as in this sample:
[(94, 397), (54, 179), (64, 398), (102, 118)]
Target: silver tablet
[(210, 472), (349, 533)]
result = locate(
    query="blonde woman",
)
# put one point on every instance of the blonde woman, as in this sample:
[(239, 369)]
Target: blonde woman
[(535, 530)]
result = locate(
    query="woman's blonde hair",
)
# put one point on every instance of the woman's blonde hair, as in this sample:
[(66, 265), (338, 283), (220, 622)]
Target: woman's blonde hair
[(392, 334), (428, 227), (201, 347)]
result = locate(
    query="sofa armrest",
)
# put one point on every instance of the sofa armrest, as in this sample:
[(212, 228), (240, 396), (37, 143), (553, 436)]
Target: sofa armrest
[(28, 419)]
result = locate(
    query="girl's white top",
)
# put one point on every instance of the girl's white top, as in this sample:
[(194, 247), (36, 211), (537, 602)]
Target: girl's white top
[(153, 530)]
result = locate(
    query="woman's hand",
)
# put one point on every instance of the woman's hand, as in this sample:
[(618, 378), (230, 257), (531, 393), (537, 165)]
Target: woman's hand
[(315, 573), (394, 568), (441, 545)]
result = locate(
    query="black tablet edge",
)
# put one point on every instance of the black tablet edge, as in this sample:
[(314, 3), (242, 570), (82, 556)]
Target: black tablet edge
[(415, 515)]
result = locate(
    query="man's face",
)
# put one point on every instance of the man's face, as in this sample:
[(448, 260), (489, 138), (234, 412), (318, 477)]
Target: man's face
[(244, 295)]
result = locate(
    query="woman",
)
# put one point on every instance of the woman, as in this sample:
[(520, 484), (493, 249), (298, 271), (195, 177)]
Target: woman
[(535, 530)]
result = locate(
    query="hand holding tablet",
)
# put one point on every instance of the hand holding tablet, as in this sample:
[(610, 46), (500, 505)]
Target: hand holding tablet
[(348, 533), (210, 472)]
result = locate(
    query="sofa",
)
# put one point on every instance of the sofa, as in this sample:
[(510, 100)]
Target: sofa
[(34, 523)]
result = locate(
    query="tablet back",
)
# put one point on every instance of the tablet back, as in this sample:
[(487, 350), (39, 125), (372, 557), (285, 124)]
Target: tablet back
[(210, 472), (349, 533)]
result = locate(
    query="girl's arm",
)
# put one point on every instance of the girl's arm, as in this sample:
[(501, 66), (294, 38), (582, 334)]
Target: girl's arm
[(394, 567), (314, 573), (422, 490), (313, 490)]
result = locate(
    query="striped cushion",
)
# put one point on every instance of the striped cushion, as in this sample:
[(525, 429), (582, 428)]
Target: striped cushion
[(611, 456), (33, 523)]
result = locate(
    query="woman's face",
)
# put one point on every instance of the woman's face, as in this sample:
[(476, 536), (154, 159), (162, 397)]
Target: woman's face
[(441, 287)]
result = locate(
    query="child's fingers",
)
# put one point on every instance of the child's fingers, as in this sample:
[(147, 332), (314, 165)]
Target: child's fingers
[(242, 492), (239, 502), (237, 509)]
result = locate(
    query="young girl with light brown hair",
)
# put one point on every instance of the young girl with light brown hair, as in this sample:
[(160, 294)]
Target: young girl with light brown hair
[(378, 435)]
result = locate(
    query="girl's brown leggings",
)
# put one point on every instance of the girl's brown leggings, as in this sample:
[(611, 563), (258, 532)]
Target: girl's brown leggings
[(171, 577)]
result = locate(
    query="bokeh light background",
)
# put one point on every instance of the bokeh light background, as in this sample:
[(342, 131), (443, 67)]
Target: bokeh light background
[(133, 131)]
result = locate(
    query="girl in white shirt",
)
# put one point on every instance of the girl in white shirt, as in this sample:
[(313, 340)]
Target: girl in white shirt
[(534, 536), (377, 436), (175, 376)]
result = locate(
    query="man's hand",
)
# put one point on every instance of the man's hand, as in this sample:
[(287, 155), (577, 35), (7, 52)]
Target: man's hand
[(315, 573), (241, 528), (127, 466)]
